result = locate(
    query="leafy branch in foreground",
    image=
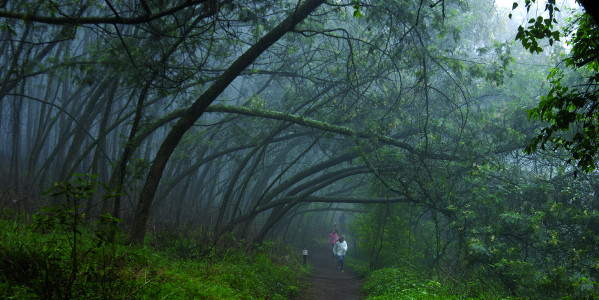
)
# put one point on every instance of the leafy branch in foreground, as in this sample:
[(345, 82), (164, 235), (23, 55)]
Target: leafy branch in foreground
[(569, 109)]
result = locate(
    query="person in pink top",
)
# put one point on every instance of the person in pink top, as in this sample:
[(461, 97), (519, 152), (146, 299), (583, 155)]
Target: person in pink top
[(333, 238)]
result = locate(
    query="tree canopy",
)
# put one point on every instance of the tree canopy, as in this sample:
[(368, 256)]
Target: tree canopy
[(459, 137)]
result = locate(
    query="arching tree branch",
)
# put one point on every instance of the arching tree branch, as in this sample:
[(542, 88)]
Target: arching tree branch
[(101, 20), (317, 199), (300, 120)]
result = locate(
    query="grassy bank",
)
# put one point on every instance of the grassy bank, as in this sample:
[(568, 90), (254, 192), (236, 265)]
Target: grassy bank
[(53, 262), (404, 283)]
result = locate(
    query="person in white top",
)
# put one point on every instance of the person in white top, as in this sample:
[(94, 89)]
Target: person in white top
[(339, 250)]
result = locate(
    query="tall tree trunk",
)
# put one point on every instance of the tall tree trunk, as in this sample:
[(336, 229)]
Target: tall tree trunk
[(85, 122), (98, 166), (16, 143), (118, 174)]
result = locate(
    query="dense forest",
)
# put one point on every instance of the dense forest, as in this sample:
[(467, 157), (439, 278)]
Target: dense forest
[(191, 149)]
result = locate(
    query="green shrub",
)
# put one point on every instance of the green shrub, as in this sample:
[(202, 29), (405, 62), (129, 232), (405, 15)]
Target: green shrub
[(37, 264), (405, 284), (58, 256)]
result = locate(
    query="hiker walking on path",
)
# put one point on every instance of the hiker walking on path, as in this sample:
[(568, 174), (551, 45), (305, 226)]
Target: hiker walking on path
[(339, 251), (333, 238)]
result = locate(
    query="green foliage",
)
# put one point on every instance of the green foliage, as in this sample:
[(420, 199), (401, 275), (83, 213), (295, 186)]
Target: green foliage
[(37, 265), (535, 240), (505, 228), (57, 256), (569, 108), (403, 284), (387, 236), (538, 28), (357, 11)]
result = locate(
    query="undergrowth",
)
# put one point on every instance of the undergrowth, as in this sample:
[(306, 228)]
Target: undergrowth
[(38, 262), (405, 284), (58, 253)]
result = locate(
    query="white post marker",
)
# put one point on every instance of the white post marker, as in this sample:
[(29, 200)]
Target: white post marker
[(305, 255)]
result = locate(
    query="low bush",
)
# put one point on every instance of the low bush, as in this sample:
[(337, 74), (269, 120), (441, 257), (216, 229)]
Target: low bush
[(38, 262), (405, 284)]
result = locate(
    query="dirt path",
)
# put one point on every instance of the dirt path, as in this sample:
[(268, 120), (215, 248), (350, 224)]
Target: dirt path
[(327, 283)]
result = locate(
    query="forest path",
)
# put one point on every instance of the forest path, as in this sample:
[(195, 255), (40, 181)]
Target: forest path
[(328, 283)]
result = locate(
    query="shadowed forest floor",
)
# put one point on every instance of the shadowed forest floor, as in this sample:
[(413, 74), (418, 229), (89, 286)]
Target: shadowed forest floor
[(327, 283)]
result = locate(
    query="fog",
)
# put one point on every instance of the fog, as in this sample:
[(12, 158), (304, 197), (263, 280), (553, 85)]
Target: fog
[(413, 127)]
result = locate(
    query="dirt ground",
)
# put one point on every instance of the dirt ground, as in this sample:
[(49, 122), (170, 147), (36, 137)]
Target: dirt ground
[(328, 283)]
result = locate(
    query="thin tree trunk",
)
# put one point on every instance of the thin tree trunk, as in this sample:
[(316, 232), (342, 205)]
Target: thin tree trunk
[(16, 143)]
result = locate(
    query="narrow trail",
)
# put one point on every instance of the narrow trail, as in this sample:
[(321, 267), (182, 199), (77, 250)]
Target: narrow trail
[(327, 283)]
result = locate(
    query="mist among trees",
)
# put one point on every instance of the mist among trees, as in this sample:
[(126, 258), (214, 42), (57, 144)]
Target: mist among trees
[(454, 144)]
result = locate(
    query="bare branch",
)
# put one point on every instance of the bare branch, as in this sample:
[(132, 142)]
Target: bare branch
[(98, 20)]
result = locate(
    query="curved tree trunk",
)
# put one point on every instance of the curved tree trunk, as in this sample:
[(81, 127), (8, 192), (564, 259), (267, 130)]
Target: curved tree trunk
[(173, 138)]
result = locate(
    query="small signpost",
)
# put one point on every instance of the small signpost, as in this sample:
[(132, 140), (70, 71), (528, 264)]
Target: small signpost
[(305, 256)]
